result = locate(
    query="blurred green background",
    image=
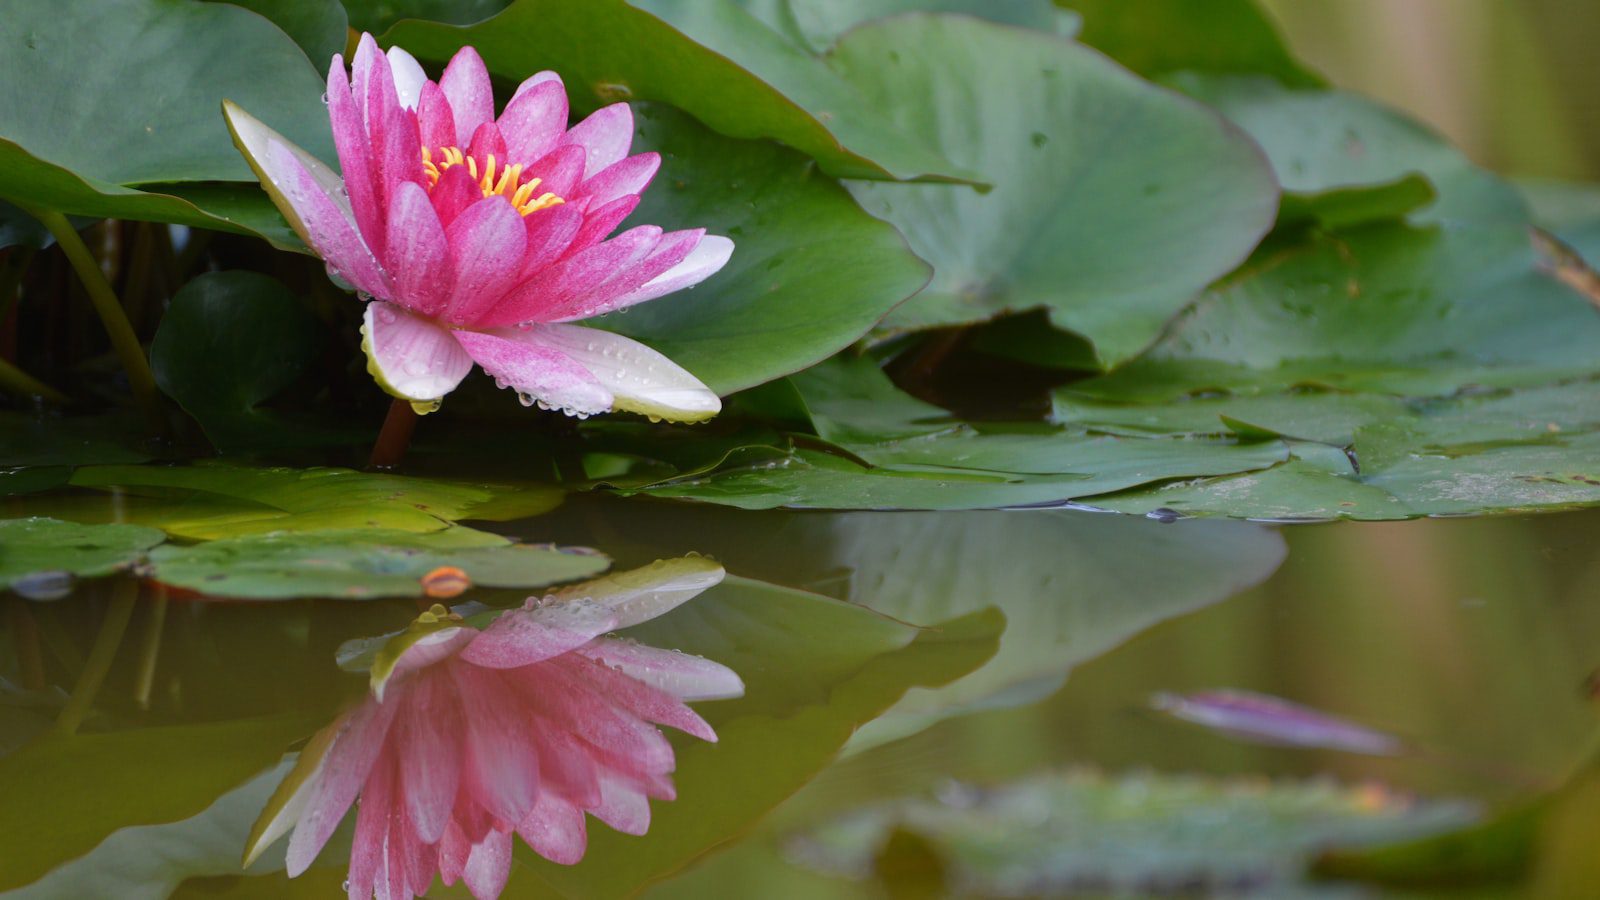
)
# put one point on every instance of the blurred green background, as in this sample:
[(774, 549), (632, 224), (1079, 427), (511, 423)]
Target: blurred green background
[(1511, 81)]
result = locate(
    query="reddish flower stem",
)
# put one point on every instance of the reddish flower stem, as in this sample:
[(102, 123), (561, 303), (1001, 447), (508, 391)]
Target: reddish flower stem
[(395, 436)]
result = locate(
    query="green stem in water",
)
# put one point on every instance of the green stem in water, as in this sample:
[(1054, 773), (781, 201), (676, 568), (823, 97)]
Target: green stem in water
[(150, 648), (124, 593), (123, 339), (395, 436), (16, 381)]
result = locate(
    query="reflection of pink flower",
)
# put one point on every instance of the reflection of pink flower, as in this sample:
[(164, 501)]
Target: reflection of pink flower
[(482, 237), (524, 726)]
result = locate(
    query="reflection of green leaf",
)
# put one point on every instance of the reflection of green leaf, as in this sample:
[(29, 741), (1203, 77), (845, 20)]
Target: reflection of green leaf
[(228, 342), (730, 71), (814, 669), (1050, 833), (215, 501), (35, 545), (1093, 171), (362, 564), (64, 795), (105, 97), (810, 273)]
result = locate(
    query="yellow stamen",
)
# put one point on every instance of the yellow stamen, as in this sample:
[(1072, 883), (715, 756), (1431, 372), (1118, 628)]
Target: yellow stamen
[(509, 184)]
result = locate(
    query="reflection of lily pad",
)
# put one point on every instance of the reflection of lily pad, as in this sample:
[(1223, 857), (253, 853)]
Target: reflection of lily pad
[(30, 546), (362, 564), (1055, 833)]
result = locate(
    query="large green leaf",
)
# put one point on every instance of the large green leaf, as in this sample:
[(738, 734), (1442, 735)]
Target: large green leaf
[(65, 795), (1155, 37), (730, 71), (818, 23), (363, 564), (810, 271), (814, 670), (210, 501), (320, 27), (377, 15), (107, 96), (33, 545), (1115, 201), (230, 341)]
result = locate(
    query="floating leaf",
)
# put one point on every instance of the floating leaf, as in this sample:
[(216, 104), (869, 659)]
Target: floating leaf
[(34, 545), (1272, 720), (1156, 37), (818, 23), (362, 564), (1092, 168), (1053, 833)]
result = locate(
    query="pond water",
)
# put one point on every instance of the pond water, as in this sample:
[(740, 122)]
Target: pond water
[(979, 703)]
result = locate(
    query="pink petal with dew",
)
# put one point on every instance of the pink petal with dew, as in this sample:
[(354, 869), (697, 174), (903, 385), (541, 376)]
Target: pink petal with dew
[(465, 83), (566, 765), (680, 674), (555, 830), (535, 120), (420, 654), (637, 378), (642, 594), (560, 171), (355, 155), (428, 740), (622, 806), (550, 232), (488, 866), (454, 849), (502, 766), (418, 252), (363, 73), (537, 373), (399, 153), (310, 196), (609, 293), (637, 698), (536, 79), (408, 77), (573, 703), (369, 857), (454, 194), (707, 258), (522, 637), (434, 120), (411, 357), (347, 764), (560, 286), (628, 176), (605, 136), (487, 140), (486, 245), (599, 222)]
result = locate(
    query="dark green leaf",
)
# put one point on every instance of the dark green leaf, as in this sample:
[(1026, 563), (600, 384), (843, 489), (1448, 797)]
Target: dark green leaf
[(1155, 37)]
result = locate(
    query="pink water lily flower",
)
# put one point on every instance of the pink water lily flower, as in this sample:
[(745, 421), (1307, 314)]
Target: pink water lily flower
[(482, 238), (469, 737)]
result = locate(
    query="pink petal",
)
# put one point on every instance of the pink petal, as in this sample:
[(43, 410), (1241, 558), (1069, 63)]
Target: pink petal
[(534, 120), (486, 245), (369, 70), (628, 176), (680, 674), (434, 119), (536, 79), (622, 806), (399, 153), (427, 736), (566, 764), (369, 855), (522, 637), (350, 759), (537, 373), (559, 171), (639, 379), (411, 357), (454, 849), (636, 697), (489, 866), (408, 77), (355, 155), (466, 85), (502, 767), (487, 140), (705, 260), (416, 860), (613, 292), (455, 192), (310, 196), (554, 829), (605, 136), (559, 288), (599, 222), (419, 253), (550, 232), (576, 705)]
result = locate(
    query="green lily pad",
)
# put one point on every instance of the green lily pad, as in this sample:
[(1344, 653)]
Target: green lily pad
[(1052, 833), (376, 15), (1156, 37), (33, 545), (230, 341), (211, 501), (320, 27), (362, 564), (1093, 170), (713, 60), (810, 272), (107, 100), (818, 23)]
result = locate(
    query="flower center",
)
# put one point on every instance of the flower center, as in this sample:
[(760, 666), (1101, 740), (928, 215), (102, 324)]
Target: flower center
[(507, 181)]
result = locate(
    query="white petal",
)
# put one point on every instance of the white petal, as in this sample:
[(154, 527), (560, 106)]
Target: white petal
[(704, 261), (640, 379), (408, 76), (411, 357)]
